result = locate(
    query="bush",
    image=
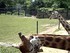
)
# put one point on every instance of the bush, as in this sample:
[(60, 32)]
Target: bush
[(42, 13)]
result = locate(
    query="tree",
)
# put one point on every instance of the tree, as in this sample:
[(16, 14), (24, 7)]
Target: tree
[(63, 4), (67, 2), (2, 5)]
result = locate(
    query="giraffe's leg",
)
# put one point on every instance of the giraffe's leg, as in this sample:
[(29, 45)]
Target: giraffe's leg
[(68, 51)]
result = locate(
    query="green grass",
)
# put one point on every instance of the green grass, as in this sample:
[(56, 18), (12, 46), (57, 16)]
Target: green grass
[(10, 25), (8, 50)]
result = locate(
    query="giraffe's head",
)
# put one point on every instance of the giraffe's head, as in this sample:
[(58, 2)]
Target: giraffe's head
[(54, 15), (36, 42)]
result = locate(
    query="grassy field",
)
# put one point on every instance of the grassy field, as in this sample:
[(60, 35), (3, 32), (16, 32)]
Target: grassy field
[(10, 25)]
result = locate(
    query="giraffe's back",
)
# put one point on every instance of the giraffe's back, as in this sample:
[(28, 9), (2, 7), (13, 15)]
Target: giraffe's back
[(55, 41)]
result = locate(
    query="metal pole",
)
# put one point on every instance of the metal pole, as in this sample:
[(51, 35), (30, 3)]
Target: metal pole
[(37, 27)]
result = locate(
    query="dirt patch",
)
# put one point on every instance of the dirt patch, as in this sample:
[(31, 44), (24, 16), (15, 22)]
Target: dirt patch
[(52, 30), (49, 30), (52, 50)]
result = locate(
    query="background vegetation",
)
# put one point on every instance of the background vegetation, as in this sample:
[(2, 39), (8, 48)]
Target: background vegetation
[(32, 6)]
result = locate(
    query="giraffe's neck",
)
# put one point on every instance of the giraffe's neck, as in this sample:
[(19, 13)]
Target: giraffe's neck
[(25, 46), (55, 41), (64, 23)]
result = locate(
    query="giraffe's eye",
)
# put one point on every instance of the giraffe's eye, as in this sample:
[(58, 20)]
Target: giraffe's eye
[(58, 16)]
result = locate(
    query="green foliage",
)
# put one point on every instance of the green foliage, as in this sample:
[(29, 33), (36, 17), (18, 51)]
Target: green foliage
[(38, 3), (45, 9), (63, 3), (2, 5)]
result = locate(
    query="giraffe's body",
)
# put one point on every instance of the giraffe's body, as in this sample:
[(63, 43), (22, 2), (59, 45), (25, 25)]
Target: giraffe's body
[(64, 23), (55, 41)]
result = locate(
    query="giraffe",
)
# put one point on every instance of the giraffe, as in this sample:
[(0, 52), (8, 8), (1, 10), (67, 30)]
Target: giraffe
[(29, 46), (64, 23), (55, 41), (26, 45)]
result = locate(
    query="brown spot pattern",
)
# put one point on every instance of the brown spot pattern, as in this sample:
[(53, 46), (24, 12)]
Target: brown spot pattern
[(47, 43), (58, 39), (49, 38), (68, 39), (68, 49), (54, 45), (63, 44)]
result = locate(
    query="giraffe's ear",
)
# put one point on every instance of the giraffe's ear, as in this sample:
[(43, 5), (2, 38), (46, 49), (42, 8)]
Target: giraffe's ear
[(19, 33), (31, 37)]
